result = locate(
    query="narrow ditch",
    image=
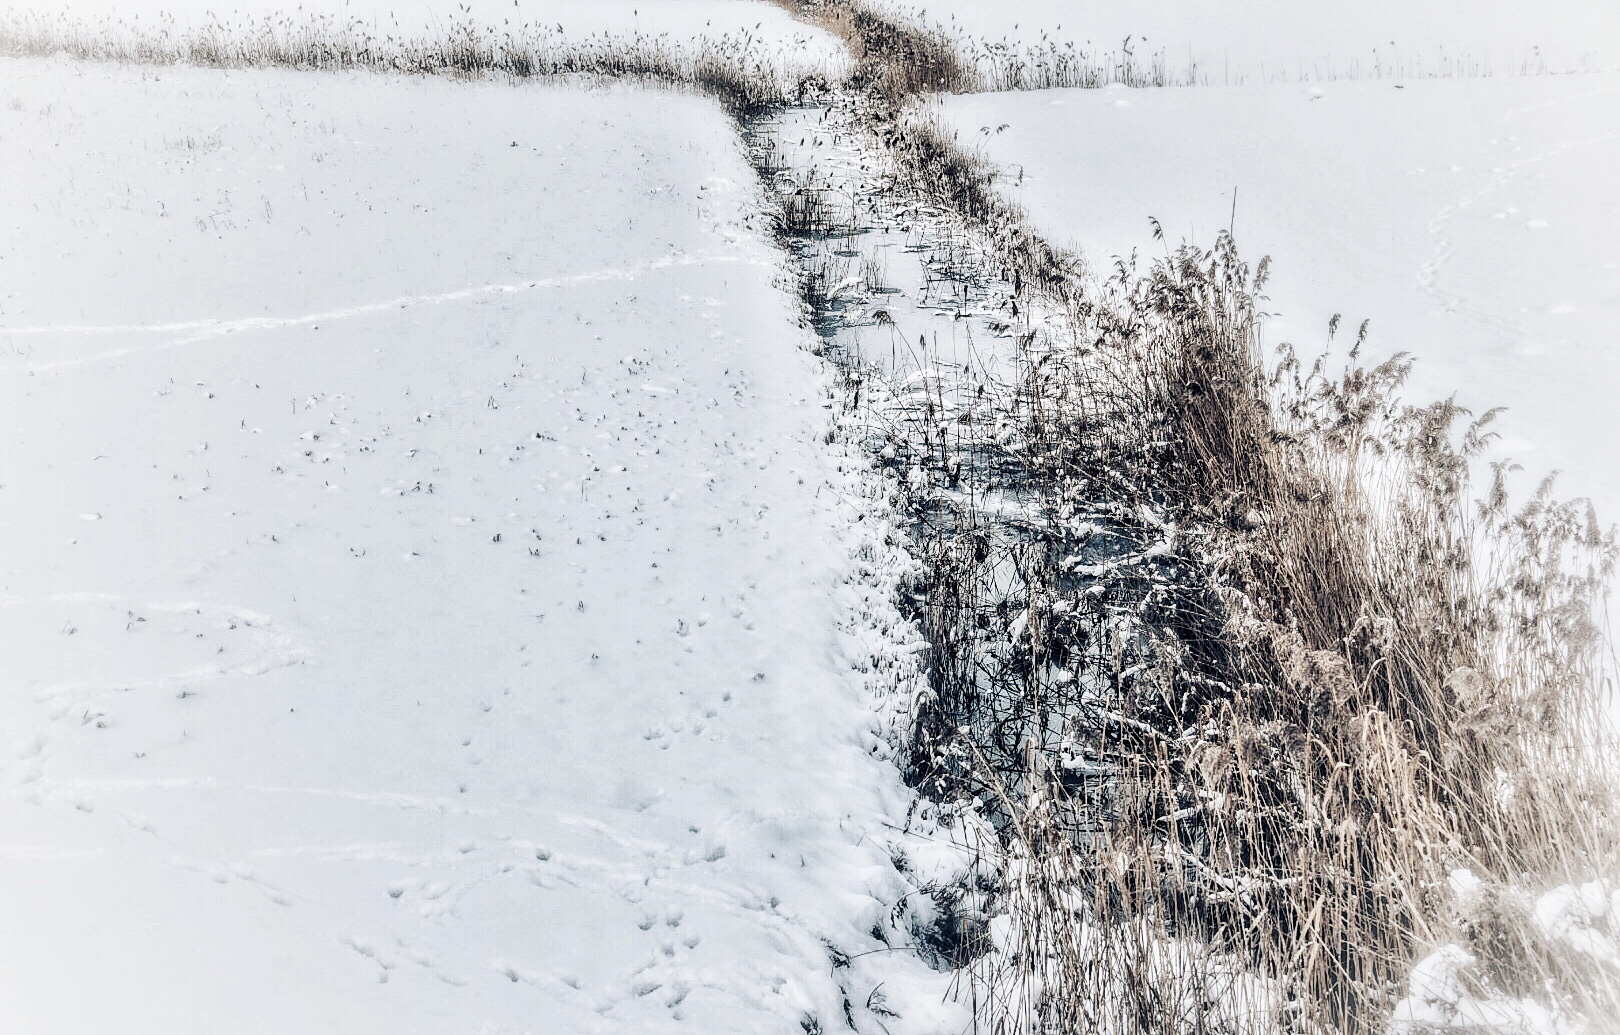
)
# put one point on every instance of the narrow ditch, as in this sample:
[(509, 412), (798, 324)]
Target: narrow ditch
[(1049, 590), (1212, 730)]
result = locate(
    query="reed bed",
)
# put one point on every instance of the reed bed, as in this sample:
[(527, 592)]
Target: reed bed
[(1228, 653), (741, 71)]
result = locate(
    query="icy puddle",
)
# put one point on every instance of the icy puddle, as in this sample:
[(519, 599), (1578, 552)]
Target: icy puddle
[(428, 599)]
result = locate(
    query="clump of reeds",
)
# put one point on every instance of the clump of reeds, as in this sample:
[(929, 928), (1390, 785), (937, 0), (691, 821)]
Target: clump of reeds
[(1046, 64), (1392, 661), (1292, 700), (1220, 647), (746, 76), (814, 210), (894, 58), (1244, 679)]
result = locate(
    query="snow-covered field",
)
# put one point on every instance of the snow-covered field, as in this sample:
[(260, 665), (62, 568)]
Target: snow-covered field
[(1264, 40), (1476, 223), (429, 601)]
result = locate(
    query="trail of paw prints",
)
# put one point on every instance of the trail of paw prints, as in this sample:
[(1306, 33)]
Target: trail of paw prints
[(436, 894), (703, 722), (239, 873), (388, 951), (1429, 274), (650, 879), (396, 954), (142, 648), (668, 974)]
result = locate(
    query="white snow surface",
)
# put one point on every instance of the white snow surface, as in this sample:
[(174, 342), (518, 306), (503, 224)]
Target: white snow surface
[(1476, 223), (1444, 993), (428, 600), (1585, 918), (1438, 1001), (1257, 41)]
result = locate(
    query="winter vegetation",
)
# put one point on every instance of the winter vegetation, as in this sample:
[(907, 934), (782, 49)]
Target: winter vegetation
[(1478, 230), (803, 593), (1043, 44)]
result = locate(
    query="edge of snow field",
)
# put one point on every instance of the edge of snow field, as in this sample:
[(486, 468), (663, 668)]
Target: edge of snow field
[(92, 845)]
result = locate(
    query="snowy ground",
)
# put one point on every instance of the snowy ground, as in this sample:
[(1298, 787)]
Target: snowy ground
[(1475, 223), (430, 603), (1256, 41)]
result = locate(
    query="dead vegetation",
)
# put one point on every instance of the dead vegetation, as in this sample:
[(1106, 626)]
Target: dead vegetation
[(737, 69), (1274, 724), (1220, 646), (912, 54), (1224, 650)]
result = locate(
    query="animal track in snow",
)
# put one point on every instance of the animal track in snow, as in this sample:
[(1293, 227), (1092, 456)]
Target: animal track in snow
[(1429, 275), (194, 331), (109, 645)]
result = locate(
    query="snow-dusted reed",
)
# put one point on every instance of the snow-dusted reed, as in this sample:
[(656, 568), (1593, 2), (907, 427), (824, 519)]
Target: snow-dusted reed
[(744, 69), (1211, 644), (1036, 44)]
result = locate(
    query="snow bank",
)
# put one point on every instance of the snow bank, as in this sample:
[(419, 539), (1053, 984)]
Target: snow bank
[(429, 603), (1437, 1001), (1475, 223), (1447, 990)]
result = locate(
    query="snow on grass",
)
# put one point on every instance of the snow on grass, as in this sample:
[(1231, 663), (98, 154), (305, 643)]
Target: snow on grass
[(1266, 40), (620, 16), (1447, 992), (677, 19), (1476, 224), (429, 34), (426, 591)]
